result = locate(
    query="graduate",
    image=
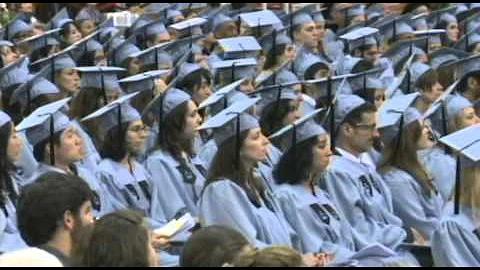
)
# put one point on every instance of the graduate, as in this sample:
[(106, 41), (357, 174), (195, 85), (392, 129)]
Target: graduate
[(455, 241), (57, 145), (8, 53), (195, 80), (177, 177), (353, 182), (11, 144), (415, 196), (232, 195)]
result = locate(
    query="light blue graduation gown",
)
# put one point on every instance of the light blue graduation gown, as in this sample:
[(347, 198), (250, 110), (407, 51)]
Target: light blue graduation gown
[(225, 203), (316, 221), (92, 157), (125, 189), (366, 202), (10, 238), (26, 163), (207, 152), (442, 167), (455, 243), (415, 208), (174, 193)]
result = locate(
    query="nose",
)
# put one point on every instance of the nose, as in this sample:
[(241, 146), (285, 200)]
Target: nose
[(266, 141)]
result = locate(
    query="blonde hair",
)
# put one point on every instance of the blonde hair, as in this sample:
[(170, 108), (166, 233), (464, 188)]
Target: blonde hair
[(277, 256), (470, 188)]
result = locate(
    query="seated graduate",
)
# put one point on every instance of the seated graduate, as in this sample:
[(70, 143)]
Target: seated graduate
[(57, 145), (233, 196), (69, 32), (119, 239), (455, 241), (353, 182), (122, 135), (54, 212), (415, 197), (11, 145), (177, 177)]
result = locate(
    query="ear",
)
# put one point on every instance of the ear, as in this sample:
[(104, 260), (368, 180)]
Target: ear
[(68, 220), (347, 129)]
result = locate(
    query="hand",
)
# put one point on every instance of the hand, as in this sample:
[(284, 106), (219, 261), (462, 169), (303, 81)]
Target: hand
[(160, 86), (318, 259), (160, 241), (418, 238)]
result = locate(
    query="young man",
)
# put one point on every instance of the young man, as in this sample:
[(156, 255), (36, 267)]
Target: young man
[(53, 212)]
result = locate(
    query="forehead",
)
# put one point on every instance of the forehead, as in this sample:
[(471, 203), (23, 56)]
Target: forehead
[(369, 117)]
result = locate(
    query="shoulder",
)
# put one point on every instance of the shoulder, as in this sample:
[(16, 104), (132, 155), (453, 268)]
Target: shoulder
[(396, 175), (224, 188), (162, 156)]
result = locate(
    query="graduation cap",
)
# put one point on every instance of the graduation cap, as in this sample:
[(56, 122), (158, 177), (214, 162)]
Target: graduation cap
[(445, 14), (156, 56), (156, 8), (348, 64), (345, 104), (231, 122), (180, 47), (190, 27), (465, 67), (466, 144), (60, 19), (307, 64), (300, 16), (143, 81), (274, 93), (360, 37), (223, 97), (124, 51), (239, 47), (463, 15), (232, 70), (111, 38), (188, 69), (299, 131), (318, 17), (104, 79), (217, 21), (117, 113), (41, 41), (401, 50), (90, 13), (393, 26), (14, 73), (44, 122), (4, 119), (260, 20), (35, 86), (15, 27), (392, 88), (275, 38), (106, 30), (419, 21), (470, 23), (171, 14), (269, 77), (187, 7), (433, 36), (369, 79), (417, 70), (446, 55), (374, 12), (57, 61)]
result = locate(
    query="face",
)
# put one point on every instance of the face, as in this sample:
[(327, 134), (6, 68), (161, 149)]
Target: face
[(426, 138), (158, 39), (255, 146), (294, 112), (467, 118), (453, 31), (69, 81), (435, 92), (87, 27), (78, 223), (134, 66), (137, 134), (192, 121), (247, 86), (320, 28), (379, 98), (322, 73), (363, 134), (8, 54), (71, 148), (14, 148), (26, 7), (372, 54), (321, 154), (73, 35), (203, 92), (290, 52), (100, 59), (308, 35)]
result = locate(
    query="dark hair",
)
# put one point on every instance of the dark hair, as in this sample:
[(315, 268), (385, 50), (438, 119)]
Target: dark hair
[(273, 114), (309, 74), (114, 145), (6, 167), (87, 59), (427, 80), (463, 83), (224, 167), (367, 94), (41, 100), (212, 246), (275, 256), (42, 205), (14, 110), (192, 82), (86, 102), (410, 7), (41, 53), (64, 31), (294, 165), (362, 65), (39, 148), (118, 239), (271, 60), (355, 116), (141, 100), (170, 135)]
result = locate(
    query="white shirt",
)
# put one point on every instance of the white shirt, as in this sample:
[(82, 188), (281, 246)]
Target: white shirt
[(363, 158)]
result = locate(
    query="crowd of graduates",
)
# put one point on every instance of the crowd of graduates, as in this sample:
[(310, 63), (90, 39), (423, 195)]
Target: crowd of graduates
[(338, 134)]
